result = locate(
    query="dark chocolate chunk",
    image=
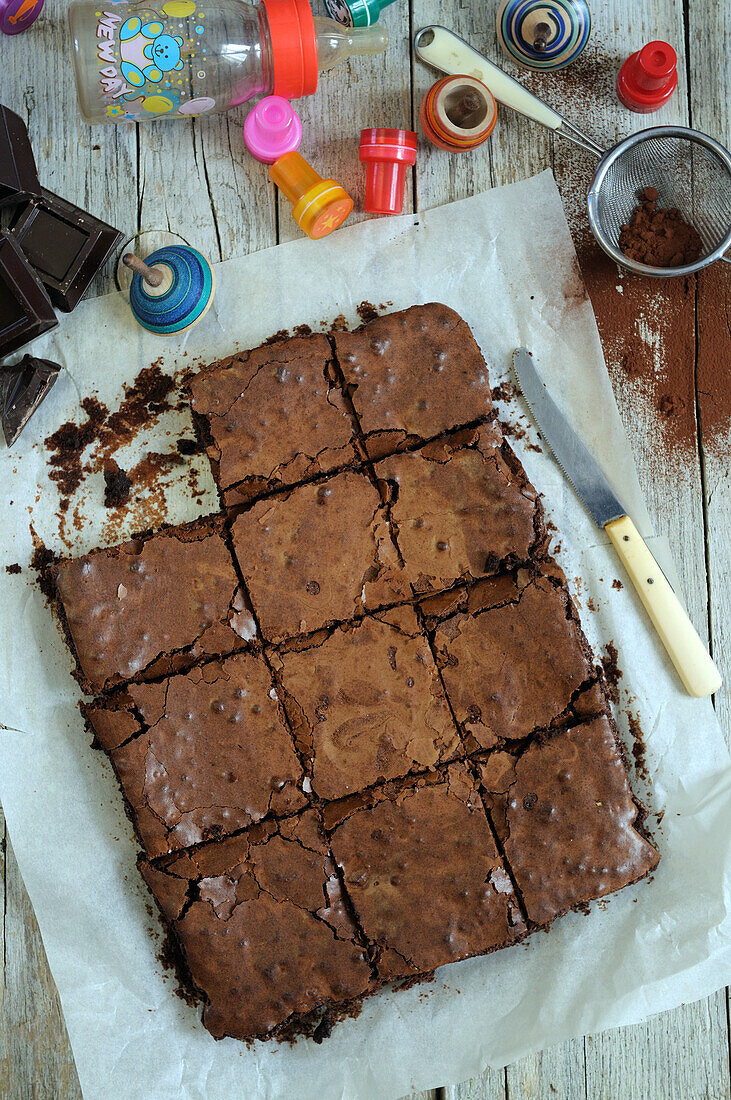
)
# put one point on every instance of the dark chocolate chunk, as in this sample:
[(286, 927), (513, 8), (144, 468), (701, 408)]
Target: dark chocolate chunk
[(22, 389), (18, 175), (65, 245), (25, 308)]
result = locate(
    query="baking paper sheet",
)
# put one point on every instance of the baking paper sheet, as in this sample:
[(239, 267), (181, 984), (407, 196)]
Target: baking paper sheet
[(650, 948)]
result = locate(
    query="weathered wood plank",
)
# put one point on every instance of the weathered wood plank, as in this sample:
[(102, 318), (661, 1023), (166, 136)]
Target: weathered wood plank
[(35, 1056)]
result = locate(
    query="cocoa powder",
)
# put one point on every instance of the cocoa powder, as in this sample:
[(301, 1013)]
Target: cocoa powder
[(660, 238)]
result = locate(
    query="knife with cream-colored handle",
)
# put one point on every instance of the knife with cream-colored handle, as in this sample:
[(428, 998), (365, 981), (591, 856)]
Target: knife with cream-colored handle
[(685, 649)]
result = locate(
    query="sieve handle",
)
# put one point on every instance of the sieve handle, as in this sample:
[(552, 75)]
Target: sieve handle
[(446, 51)]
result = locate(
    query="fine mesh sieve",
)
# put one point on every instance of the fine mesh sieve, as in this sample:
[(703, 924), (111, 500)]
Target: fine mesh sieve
[(691, 173), (690, 170)]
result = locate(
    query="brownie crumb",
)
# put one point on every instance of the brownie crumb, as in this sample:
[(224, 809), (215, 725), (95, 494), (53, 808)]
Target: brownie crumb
[(612, 672), (302, 330), (42, 561), (639, 749), (189, 446), (117, 486), (617, 584), (658, 237), (13, 568), (276, 337), (339, 324), (367, 312)]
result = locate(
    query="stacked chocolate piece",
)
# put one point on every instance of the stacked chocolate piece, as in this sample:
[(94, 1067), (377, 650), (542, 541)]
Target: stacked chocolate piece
[(49, 257), (358, 727)]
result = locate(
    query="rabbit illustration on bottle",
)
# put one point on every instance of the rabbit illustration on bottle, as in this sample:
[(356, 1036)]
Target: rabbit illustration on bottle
[(147, 52)]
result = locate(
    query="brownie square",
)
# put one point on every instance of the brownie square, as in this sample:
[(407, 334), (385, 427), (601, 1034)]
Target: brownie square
[(319, 555), (210, 755), (412, 375), (570, 825), (366, 704), (461, 506), (272, 417), (424, 875), (262, 927), (152, 605), (514, 660)]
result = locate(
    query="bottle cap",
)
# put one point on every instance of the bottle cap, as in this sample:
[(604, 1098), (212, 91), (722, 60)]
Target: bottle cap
[(386, 153), (272, 128), (458, 113), (648, 78), (356, 13), (318, 205), (294, 47), (17, 15)]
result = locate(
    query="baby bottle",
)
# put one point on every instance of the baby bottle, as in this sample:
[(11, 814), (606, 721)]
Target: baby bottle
[(178, 58)]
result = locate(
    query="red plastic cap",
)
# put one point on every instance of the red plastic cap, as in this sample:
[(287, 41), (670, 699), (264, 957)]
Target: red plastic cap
[(386, 153), (648, 78), (294, 47)]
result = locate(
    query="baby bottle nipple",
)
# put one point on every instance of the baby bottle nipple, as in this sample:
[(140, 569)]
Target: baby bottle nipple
[(336, 43)]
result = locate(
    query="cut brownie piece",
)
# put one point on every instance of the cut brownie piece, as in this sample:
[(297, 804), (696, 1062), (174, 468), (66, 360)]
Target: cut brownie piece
[(568, 819), (319, 555), (211, 753), (152, 605), (413, 375), (462, 507), (514, 660), (262, 926), (424, 876), (366, 704), (272, 417)]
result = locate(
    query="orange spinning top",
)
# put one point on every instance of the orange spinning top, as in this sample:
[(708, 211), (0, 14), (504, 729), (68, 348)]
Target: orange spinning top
[(318, 205), (458, 113)]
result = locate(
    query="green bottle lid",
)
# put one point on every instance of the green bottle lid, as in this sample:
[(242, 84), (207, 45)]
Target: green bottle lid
[(356, 13)]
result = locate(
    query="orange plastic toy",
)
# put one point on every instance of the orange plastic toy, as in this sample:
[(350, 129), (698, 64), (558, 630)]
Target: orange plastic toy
[(318, 205)]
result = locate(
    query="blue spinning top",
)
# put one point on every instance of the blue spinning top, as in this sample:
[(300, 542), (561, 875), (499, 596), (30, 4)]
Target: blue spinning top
[(543, 34), (172, 290)]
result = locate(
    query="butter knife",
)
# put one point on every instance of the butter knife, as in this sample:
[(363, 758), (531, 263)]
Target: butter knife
[(685, 649)]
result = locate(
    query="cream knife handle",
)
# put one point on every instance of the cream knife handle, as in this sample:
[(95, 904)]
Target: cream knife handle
[(677, 633)]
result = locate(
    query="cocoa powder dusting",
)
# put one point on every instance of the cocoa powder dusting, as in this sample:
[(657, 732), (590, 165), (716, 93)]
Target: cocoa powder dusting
[(658, 237)]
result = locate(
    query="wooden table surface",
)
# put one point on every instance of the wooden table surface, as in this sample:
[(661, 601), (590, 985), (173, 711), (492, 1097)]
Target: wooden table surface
[(196, 178)]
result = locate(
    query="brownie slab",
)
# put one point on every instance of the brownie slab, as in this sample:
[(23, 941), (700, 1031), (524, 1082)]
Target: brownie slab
[(413, 375), (211, 753), (152, 605), (366, 704), (515, 658), (570, 822), (262, 927), (272, 417), (424, 876), (462, 507), (318, 555)]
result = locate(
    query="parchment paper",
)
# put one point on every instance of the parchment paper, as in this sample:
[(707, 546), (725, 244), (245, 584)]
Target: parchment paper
[(649, 948)]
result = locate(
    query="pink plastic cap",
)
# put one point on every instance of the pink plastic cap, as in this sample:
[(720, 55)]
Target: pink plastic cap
[(272, 128), (387, 153)]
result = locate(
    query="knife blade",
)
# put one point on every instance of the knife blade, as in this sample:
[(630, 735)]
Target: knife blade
[(684, 647)]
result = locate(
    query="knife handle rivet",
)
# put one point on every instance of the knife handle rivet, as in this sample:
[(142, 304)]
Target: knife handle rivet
[(650, 580), (626, 538)]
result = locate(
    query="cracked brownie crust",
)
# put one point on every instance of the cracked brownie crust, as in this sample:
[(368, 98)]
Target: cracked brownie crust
[(319, 555), (152, 605), (356, 722), (210, 754), (272, 417)]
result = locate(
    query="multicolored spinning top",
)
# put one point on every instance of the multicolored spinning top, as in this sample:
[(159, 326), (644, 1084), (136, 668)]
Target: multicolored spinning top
[(17, 15), (171, 291), (356, 13), (543, 34)]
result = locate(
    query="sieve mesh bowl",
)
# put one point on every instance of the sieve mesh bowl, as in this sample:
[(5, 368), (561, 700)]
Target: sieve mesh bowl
[(691, 172)]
